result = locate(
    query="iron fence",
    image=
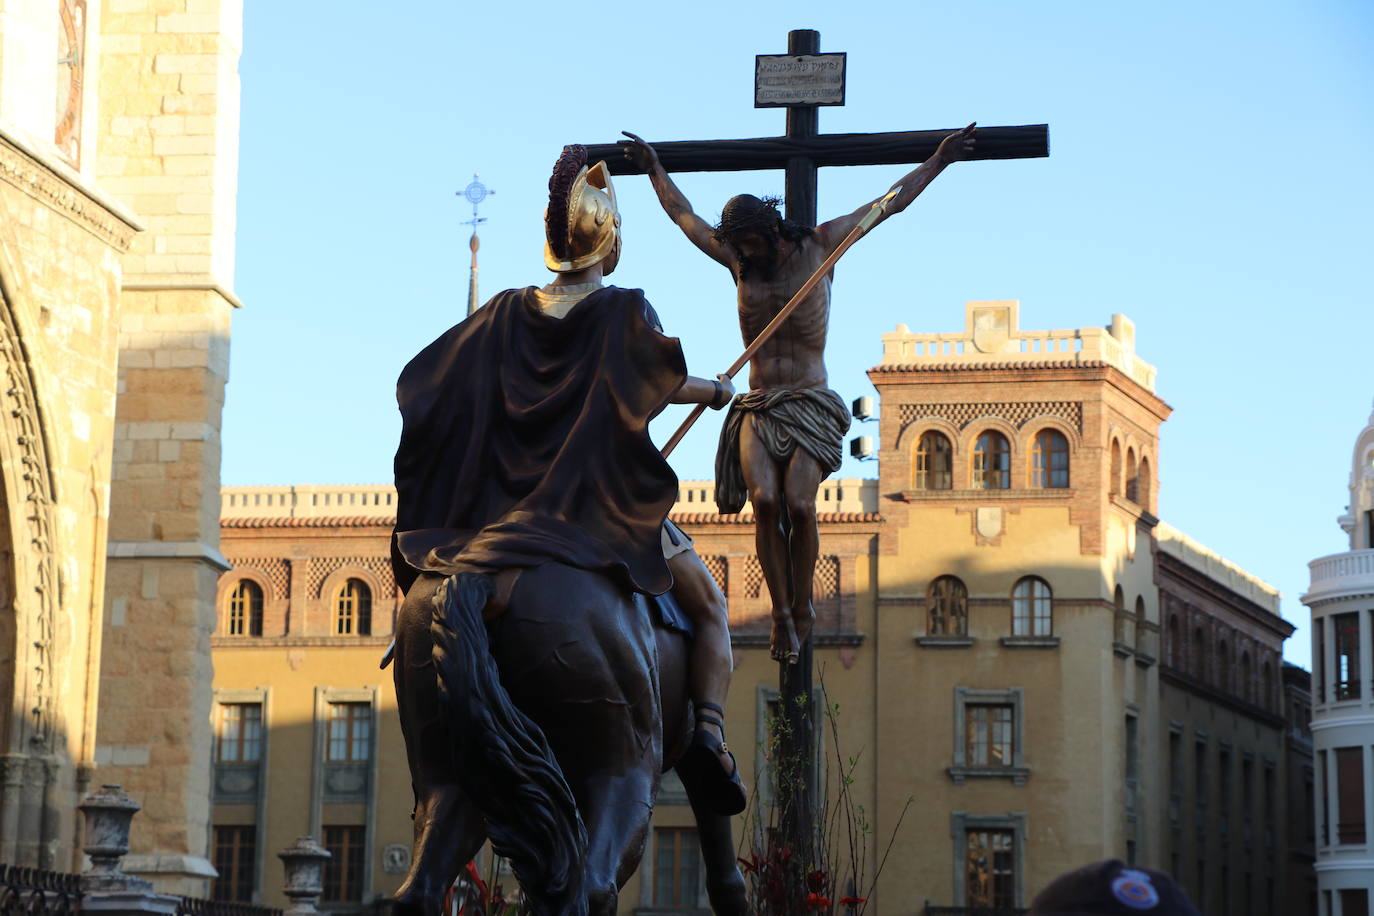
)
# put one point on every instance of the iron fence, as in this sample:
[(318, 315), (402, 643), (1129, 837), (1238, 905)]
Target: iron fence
[(38, 892), (195, 906)]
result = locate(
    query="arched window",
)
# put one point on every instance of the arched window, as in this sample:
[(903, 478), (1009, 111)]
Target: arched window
[(1199, 653), (1143, 482), (353, 609), (1140, 621), (245, 609), (1132, 477), (992, 462), (1173, 652), (1266, 698), (1114, 485), (948, 603), (1223, 666), (934, 462), (1032, 608), (1050, 460), (1246, 689)]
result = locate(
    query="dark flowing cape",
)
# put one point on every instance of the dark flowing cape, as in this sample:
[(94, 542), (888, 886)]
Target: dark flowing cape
[(525, 440)]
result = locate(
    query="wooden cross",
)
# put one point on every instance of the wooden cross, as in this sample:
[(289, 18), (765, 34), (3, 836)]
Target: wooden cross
[(801, 151)]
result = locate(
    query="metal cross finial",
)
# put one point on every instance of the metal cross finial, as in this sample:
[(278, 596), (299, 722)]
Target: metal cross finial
[(475, 192)]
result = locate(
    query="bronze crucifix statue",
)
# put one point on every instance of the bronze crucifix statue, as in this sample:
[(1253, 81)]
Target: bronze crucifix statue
[(786, 434)]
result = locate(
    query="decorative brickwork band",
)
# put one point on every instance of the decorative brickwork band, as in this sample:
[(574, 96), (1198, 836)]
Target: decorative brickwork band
[(1017, 413)]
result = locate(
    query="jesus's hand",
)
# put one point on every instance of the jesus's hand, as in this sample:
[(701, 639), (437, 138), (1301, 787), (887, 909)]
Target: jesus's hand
[(639, 152), (957, 146)]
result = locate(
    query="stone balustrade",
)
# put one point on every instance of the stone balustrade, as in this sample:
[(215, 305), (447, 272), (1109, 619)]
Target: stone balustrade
[(1340, 575)]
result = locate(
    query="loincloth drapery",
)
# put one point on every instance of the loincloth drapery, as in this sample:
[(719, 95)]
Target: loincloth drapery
[(815, 419)]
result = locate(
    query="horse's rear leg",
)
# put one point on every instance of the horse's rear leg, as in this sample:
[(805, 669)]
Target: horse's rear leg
[(724, 881), (617, 830)]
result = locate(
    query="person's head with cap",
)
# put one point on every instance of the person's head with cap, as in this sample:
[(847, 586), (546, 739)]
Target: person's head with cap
[(1112, 888)]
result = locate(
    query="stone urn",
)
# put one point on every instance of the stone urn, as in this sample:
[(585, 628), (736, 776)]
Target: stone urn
[(304, 862), (109, 812)]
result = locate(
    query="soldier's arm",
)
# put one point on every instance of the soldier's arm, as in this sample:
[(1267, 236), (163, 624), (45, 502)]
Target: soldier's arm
[(674, 202), (714, 394), (955, 147)]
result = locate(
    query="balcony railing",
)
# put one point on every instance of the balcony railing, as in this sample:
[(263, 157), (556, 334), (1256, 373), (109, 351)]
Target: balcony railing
[(1340, 573)]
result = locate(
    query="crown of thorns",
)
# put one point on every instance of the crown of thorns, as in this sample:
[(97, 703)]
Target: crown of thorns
[(747, 213)]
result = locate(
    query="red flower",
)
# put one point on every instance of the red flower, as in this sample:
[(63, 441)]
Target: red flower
[(817, 902), (852, 901)]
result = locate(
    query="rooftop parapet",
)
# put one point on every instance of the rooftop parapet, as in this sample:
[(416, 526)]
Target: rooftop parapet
[(992, 335), (1216, 567), (848, 495)]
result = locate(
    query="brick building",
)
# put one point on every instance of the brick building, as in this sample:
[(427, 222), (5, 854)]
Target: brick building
[(989, 622), (118, 162)]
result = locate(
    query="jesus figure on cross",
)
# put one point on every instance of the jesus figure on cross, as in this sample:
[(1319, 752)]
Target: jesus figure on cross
[(786, 434)]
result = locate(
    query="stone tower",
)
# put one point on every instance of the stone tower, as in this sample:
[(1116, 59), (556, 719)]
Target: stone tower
[(169, 148)]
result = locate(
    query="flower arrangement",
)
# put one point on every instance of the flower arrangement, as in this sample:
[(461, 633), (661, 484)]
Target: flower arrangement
[(787, 882)]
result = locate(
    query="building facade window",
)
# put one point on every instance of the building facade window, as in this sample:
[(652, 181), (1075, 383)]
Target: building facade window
[(1050, 460), (1224, 794), (236, 861), (1246, 688), (1142, 484), (1319, 659), (343, 870), (1032, 608), (1114, 484), (989, 735), (948, 603), (1173, 651), (990, 865), (353, 609), (1132, 765), (350, 733), (1223, 666), (1347, 647), (1350, 826), (934, 462), (989, 860), (1200, 787), (245, 609), (238, 737), (992, 462), (677, 869), (1175, 778), (1132, 477)]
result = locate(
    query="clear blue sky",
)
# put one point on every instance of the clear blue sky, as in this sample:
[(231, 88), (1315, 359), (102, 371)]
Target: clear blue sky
[(1210, 176)]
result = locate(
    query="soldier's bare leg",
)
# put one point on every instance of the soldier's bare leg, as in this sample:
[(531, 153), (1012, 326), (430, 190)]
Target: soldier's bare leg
[(708, 669), (765, 482), (804, 475)]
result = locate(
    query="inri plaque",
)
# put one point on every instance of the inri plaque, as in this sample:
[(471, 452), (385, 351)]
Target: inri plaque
[(783, 80)]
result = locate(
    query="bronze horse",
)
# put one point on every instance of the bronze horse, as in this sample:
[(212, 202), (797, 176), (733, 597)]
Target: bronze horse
[(545, 730)]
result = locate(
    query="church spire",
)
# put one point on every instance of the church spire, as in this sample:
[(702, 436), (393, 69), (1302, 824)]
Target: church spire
[(475, 192)]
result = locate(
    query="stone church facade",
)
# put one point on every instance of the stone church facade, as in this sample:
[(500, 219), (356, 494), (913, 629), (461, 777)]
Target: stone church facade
[(118, 164), (1003, 621)]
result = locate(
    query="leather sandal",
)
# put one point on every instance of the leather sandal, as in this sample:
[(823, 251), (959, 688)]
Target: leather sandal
[(700, 767)]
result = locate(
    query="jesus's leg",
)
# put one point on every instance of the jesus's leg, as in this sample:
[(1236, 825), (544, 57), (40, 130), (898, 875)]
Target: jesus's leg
[(804, 475), (762, 477)]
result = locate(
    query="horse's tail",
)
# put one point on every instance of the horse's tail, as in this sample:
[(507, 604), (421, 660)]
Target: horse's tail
[(502, 758)]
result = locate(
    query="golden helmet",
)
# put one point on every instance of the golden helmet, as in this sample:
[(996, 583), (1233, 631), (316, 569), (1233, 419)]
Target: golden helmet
[(593, 222)]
